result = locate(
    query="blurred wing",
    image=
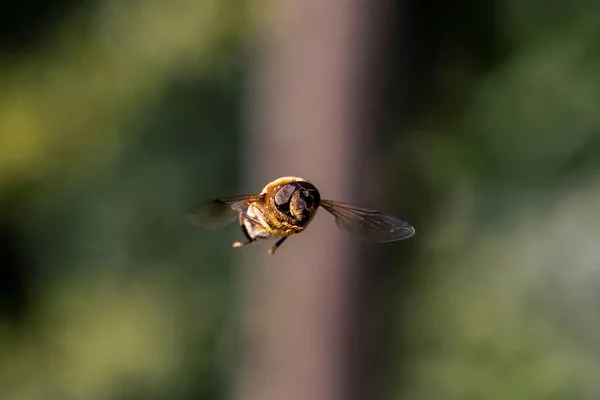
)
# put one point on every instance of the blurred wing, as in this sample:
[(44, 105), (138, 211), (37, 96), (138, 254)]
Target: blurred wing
[(220, 212), (368, 224)]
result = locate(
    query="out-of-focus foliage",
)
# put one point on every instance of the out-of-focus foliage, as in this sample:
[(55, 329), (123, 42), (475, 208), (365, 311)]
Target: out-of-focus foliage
[(70, 101), (109, 132), (507, 268), (125, 114)]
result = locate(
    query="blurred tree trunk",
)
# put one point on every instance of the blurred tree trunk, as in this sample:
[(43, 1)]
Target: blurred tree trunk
[(313, 111)]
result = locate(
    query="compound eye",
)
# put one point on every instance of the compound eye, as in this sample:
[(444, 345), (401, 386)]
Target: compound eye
[(284, 195), (310, 194)]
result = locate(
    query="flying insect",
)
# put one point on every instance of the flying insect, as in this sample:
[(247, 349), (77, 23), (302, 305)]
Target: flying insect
[(286, 206)]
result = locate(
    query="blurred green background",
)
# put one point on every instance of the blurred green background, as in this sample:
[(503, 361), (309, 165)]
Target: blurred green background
[(116, 117)]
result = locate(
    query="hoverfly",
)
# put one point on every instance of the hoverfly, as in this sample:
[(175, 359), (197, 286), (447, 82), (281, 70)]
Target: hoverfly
[(286, 206)]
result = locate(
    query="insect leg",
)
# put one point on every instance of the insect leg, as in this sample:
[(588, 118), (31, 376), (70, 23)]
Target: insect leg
[(245, 230), (277, 244)]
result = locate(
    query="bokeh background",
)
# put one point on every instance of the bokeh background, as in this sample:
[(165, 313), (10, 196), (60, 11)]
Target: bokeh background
[(482, 129)]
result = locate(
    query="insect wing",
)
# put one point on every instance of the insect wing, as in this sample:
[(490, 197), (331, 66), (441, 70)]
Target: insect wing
[(220, 212), (368, 224)]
